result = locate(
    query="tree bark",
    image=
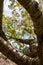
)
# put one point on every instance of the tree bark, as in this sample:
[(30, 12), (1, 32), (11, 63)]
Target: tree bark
[(1, 14), (24, 41), (1, 10), (14, 55), (36, 15)]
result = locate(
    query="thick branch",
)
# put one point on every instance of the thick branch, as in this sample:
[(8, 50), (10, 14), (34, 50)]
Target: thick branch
[(2, 34), (37, 17), (24, 41), (27, 41), (13, 55), (1, 10)]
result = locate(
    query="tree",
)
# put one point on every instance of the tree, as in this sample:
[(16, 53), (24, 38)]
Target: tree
[(37, 18)]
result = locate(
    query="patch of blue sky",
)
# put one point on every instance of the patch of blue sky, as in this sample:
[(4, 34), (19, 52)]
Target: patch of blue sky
[(26, 36), (6, 10), (7, 13)]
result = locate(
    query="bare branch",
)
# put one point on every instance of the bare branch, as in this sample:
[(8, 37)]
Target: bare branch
[(14, 55), (26, 41)]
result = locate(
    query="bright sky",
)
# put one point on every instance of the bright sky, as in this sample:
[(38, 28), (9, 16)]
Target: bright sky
[(6, 10), (37, 1)]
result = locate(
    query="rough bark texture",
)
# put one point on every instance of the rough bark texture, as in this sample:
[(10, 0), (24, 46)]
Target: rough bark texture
[(1, 13), (14, 55), (1, 10), (26, 41), (37, 17)]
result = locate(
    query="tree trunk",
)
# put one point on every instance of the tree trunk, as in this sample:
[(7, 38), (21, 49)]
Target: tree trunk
[(1, 14), (1, 10), (36, 15), (14, 55)]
